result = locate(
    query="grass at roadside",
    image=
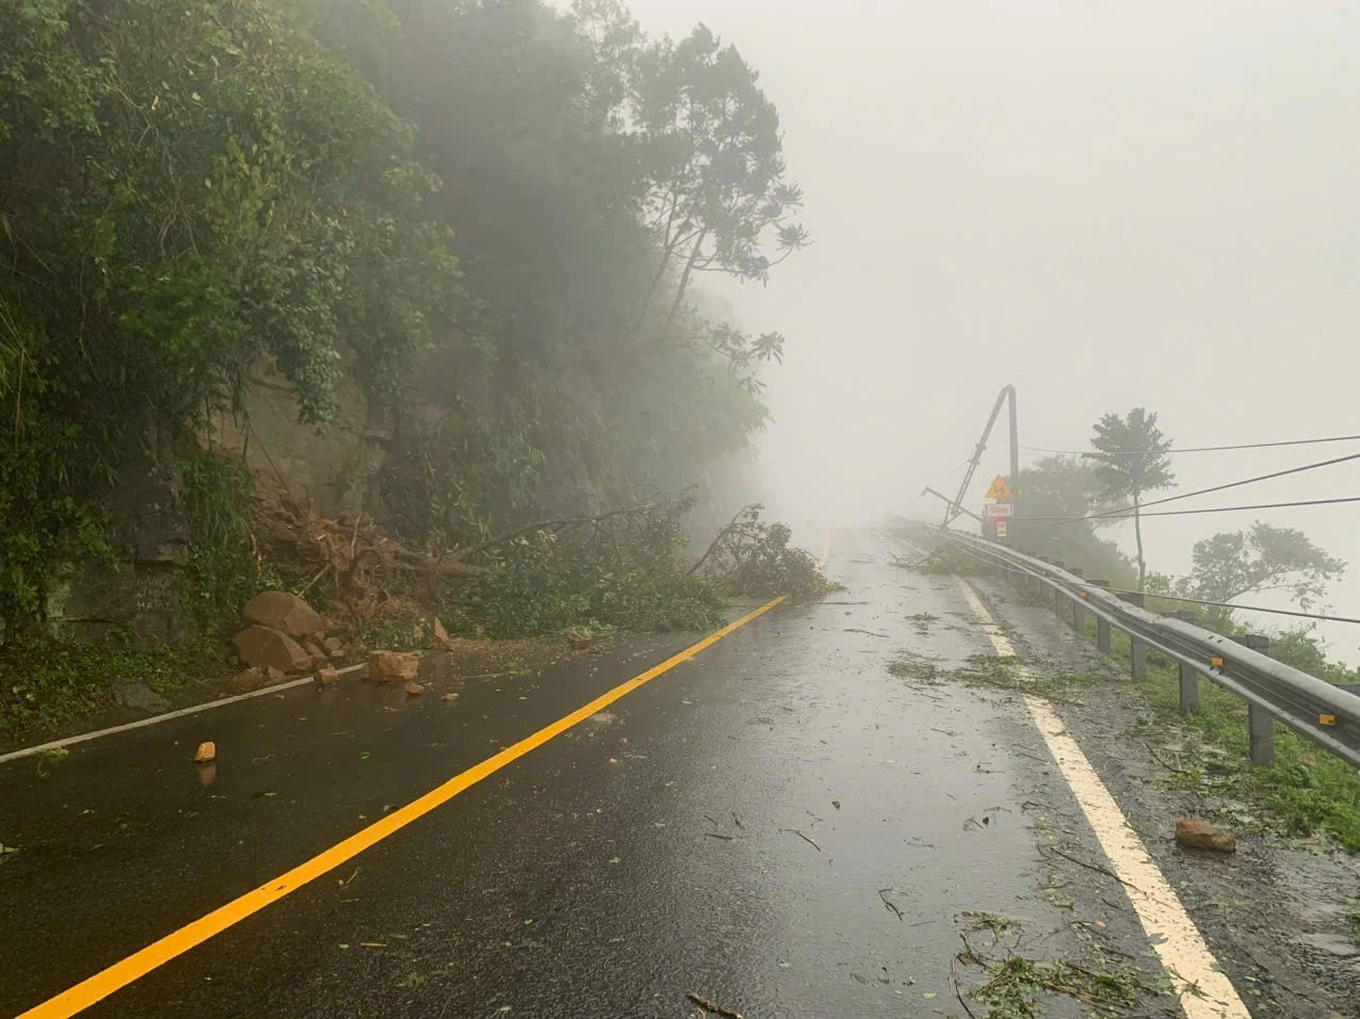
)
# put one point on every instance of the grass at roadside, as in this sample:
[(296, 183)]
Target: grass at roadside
[(46, 682), (1304, 791)]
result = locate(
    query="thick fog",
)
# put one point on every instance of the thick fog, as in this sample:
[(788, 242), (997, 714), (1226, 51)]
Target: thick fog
[(1107, 205)]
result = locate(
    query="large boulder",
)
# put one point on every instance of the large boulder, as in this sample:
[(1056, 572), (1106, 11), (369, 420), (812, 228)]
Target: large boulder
[(280, 610), (267, 648), (391, 666)]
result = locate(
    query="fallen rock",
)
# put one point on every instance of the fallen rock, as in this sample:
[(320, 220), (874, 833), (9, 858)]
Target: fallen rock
[(449, 698), (389, 666), (441, 636), (413, 688), (138, 697), (280, 610), (333, 646), (207, 751), (247, 681), (1198, 834), (580, 640), (327, 677), (273, 675), (268, 648), (315, 651)]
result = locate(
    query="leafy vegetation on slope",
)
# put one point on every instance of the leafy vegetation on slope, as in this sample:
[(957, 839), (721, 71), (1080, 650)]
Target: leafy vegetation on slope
[(490, 218)]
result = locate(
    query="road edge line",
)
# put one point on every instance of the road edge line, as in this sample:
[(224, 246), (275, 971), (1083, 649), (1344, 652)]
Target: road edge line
[(1202, 988), (165, 716), (114, 978)]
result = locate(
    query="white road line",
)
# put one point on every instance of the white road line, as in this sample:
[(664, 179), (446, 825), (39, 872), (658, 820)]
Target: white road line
[(142, 723), (1203, 990)]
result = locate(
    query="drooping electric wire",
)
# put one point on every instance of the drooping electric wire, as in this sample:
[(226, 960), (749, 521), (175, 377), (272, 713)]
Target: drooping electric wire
[(1208, 449)]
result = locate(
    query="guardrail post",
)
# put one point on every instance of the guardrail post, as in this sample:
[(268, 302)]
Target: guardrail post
[(1059, 603), (1189, 690), (1078, 617), (1102, 635), (1137, 658), (1261, 728)]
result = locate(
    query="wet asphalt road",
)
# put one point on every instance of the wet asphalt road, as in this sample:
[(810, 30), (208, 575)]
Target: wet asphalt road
[(747, 826)]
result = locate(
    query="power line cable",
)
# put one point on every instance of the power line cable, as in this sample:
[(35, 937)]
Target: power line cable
[(1207, 449), (1123, 513), (1128, 514)]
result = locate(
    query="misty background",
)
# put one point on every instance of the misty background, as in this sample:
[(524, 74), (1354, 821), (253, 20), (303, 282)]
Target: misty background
[(1106, 205)]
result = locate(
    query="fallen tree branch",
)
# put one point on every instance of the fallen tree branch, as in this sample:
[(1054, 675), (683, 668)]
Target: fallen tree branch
[(1090, 866), (556, 524), (803, 837), (711, 1008), (722, 536)]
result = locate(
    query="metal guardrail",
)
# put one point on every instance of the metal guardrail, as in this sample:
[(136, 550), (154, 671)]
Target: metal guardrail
[(1326, 714)]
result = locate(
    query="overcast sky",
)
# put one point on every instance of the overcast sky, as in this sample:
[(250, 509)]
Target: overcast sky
[(1106, 204)]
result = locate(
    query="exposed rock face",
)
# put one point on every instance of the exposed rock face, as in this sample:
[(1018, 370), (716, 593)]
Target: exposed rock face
[(149, 534)]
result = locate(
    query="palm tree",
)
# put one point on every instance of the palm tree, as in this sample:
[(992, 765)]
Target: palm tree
[(1131, 458)]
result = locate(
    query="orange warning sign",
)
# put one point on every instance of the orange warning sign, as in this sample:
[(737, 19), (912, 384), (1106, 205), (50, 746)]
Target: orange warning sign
[(1000, 490)]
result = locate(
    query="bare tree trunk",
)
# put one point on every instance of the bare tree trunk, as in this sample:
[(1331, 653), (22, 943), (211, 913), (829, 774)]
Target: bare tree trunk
[(1138, 536), (685, 278)]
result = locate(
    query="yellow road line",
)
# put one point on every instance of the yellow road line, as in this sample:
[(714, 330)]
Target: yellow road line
[(1203, 989), (137, 965)]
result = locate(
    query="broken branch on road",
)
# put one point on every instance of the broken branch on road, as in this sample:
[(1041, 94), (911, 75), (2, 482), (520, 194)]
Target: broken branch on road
[(1089, 866), (809, 841), (882, 894), (711, 1008)]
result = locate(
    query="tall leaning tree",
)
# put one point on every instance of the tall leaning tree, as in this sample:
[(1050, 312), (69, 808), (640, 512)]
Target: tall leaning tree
[(1132, 457)]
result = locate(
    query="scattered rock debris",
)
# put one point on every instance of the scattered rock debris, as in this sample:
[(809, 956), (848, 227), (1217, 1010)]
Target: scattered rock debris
[(1197, 834), (327, 677), (207, 751), (441, 636), (413, 689), (391, 666), (449, 698)]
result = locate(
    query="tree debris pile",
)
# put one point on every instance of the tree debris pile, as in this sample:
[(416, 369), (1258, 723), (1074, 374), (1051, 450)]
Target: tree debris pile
[(753, 558), (349, 565), (628, 568)]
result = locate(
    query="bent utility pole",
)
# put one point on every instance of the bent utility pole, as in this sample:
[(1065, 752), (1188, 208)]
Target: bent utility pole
[(956, 506)]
